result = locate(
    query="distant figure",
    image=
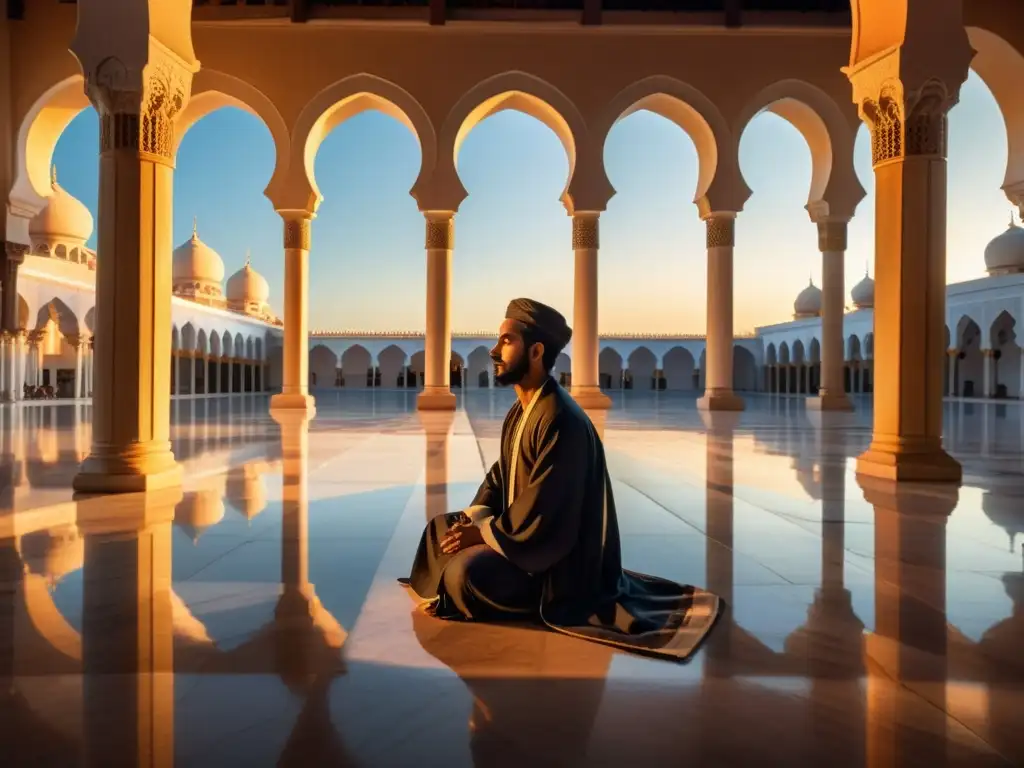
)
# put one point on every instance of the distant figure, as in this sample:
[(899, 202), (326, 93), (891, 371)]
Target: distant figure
[(541, 540)]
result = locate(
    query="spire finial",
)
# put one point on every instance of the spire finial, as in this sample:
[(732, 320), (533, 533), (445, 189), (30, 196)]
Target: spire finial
[(810, 279), (866, 273), (195, 227), (53, 174), (1012, 222), (248, 259)]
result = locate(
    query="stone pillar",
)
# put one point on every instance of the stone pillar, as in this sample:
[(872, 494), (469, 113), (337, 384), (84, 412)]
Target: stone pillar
[(988, 363), (35, 351), (831, 392), (127, 630), (1020, 392), (906, 76), (12, 257), (294, 393), (953, 355), (586, 387), (721, 238), (138, 68), (89, 359), (19, 355), (440, 241), (77, 342)]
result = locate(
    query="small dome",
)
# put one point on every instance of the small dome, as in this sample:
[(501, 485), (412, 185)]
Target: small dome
[(54, 553), (863, 293), (247, 286), (808, 303), (1005, 254), (196, 262), (198, 511), (64, 217)]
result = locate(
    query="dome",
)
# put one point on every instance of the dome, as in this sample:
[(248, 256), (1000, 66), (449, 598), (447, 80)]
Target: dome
[(863, 293), (247, 286), (198, 511), (808, 303), (63, 217), (197, 263), (1005, 254)]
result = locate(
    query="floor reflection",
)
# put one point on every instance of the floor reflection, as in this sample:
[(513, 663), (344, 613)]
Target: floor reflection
[(252, 616)]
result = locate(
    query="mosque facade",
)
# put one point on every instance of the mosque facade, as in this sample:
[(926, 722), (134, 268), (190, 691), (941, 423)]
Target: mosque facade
[(224, 338)]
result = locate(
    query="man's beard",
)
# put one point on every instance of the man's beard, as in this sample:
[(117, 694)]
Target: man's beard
[(512, 374)]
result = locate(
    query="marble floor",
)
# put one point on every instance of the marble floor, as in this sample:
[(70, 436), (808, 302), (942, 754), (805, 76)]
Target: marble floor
[(252, 617)]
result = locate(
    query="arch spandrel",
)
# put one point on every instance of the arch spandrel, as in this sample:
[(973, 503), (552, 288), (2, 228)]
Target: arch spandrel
[(720, 185), (38, 133), (212, 90), (515, 90), (830, 133), (330, 108), (1001, 67)]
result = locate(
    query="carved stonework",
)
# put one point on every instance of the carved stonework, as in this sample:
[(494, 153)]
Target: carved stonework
[(441, 234), (721, 232), (908, 125), (297, 234), (138, 109), (585, 233), (831, 236)]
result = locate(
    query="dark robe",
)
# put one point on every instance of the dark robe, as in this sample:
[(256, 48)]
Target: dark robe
[(560, 536)]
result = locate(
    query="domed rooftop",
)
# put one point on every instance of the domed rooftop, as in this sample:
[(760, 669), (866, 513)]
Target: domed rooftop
[(247, 286), (63, 218), (808, 302), (863, 293), (197, 267), (1005, 254)]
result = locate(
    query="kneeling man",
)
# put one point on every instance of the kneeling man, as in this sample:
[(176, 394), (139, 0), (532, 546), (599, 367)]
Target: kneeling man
[(541, 539)]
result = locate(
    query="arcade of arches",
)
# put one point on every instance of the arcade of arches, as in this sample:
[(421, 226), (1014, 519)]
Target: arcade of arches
[(906, 64)]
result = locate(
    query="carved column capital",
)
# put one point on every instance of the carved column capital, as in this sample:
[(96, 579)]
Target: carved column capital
[(36, 337), (138, 105), (298, 232), (721, 230), (832, 236), (586, 231), (440, 233), (14, 253), (904, 123)]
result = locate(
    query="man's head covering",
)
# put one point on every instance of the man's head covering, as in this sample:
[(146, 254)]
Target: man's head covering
[(547, 323)]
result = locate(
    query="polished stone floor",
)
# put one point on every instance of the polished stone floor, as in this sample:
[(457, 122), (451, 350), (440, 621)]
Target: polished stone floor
[(252, 618)]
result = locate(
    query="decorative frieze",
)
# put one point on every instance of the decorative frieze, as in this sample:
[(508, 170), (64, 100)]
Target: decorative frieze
[(585, 233), (721, 232), (440, 233), (832, 236), (138, 108), (297, 233)]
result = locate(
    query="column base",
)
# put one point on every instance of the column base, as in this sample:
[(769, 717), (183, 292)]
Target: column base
[(435, 399), (830, 402), (128, 473), (293, 401), (590, 398), (897, 464), (721, 401)]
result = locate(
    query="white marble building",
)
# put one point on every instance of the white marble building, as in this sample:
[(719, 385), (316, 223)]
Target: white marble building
[(984, 356), (222, 341)]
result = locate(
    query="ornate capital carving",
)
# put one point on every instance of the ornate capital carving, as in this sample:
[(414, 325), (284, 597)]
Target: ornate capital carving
[(721, 231), (907, 123), (831, 236), (138, 106), (15, 252), (585, 232), (297, 233), (35, 337), (440, 233)]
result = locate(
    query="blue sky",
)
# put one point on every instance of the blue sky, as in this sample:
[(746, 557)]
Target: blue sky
[(367, 266)]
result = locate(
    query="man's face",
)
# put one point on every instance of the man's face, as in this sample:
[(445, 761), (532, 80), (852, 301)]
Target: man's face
[(510, 355)]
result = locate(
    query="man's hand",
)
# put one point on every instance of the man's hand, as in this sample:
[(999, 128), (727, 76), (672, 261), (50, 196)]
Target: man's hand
[(461, 537)]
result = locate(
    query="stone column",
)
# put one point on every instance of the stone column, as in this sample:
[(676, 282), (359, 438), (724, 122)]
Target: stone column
[(35, 350), (440, 241), (832, 244), (905, 81), (1020, 392), (139, 79), (721, 238), (19, 357), (294, 393), (89, 367), (953, 355), (585, 387), (988, 363), (127, 631)]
